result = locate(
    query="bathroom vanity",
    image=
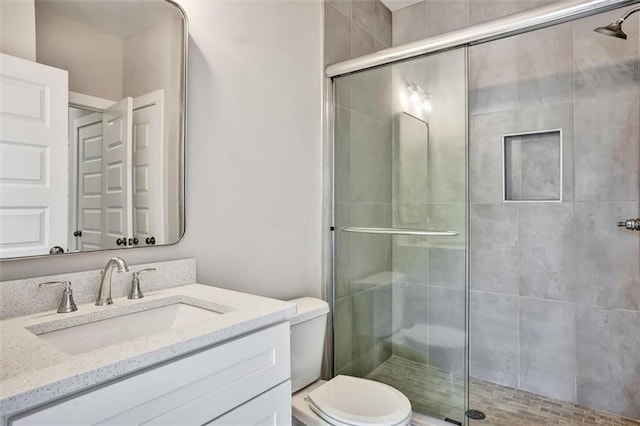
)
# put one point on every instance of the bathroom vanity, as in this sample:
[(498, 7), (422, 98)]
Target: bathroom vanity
[(192, 354)]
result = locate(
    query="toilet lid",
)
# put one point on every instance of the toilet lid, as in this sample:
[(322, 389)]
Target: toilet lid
[(360, 402)]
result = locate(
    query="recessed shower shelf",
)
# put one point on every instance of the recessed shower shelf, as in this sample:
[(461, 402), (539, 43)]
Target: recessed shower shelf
[(532, 166)]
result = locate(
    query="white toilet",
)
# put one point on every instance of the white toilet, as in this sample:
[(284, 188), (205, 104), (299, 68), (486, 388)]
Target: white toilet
[(343, 400)]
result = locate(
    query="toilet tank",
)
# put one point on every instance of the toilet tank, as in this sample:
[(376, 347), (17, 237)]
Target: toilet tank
[(307, 341)]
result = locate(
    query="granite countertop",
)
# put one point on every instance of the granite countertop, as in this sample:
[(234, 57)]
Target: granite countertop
[(33, 371)]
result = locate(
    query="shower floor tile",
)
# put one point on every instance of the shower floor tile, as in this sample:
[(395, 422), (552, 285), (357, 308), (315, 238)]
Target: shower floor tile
[(435, 392)]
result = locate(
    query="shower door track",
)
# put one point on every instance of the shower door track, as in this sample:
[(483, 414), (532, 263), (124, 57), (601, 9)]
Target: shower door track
[(528, 20)]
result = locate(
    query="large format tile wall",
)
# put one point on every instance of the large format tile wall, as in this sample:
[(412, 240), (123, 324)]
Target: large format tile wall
[(363, 190), (555, 291)]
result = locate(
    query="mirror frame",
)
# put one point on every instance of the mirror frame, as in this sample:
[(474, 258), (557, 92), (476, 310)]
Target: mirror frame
[(182, 154)]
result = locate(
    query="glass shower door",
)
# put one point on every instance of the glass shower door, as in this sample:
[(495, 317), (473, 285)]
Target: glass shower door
[(400, 200)]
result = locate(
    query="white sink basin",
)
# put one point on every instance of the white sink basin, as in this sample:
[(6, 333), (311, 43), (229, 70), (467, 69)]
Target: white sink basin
[(98, 334)]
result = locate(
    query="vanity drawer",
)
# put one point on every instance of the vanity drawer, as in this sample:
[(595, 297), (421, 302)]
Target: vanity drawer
[(201, 386), (271, 408)]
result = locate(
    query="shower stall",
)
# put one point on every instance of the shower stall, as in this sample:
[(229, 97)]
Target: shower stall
[(486, 187)]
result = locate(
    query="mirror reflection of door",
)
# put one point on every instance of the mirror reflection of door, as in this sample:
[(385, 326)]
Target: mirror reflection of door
[(149, 204), (118, 156), (86, 131), (33, 157), (117, 122)]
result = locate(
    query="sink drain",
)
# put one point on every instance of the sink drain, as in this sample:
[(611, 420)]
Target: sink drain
[(475, 414)]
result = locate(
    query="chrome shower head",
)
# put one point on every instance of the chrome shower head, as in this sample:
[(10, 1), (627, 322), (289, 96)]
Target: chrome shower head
[(614, 29)]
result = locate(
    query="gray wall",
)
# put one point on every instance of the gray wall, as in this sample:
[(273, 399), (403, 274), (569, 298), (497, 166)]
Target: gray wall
[(363, 192), (555, 287), (354, 28)]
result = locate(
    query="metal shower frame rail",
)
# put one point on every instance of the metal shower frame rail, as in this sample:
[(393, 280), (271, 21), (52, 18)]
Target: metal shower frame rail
[(528, 20)]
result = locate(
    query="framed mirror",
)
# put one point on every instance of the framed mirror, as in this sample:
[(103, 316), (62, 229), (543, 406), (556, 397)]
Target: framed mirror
[(92, 126)]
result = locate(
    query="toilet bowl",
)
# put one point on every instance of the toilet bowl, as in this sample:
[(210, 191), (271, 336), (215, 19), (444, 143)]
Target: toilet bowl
[(343, 400)]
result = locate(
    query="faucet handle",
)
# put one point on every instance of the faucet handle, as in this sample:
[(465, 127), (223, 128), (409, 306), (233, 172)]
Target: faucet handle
[(136, 292), (66, 303)]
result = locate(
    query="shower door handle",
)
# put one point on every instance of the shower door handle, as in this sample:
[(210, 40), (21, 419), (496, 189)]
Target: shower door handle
[(400, 231), (630, 224)]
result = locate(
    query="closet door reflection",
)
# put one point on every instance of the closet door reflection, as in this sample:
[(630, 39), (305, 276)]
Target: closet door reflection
[(119, 174)]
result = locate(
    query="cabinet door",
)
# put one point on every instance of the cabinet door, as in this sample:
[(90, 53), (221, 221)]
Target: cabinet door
[(190, 390), (271, 408)]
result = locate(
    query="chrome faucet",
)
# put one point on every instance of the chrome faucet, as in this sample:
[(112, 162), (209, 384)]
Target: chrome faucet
[(104, 296)]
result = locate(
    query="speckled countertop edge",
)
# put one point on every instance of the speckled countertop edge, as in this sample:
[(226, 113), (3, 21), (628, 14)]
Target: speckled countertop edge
[(33, 372)]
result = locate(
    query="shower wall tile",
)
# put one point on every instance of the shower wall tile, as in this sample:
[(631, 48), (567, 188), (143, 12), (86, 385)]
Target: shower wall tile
[(485, 154), (445, 16), (493, 76), (337, 35), (548, 348), (382, 307), (342, 155), (370, 160), (607, 153), (342, 215), (353, 28), (493, 257), (371, 94), (408, 24), (382, 323), (447, 267), (559, 116), (415, 302), (410, 319), (363, 14), (362, 320), (370, 254), (493, 333), (605, 66), (382, 24), (343, 6), (412, 261), (608, 271), (343, 334), (361, 41), (447, 329), (608, 342), (448, 217), (378, 45), (362, 338), (545, 66), (486, 10), (447, 151), (546, 255)]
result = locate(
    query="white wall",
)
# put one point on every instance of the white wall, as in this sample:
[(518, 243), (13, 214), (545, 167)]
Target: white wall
[(93, 58), (18, 28), (253, 155)]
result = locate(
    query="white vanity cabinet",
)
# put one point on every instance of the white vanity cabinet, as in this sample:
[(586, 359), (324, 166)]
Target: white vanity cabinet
[(241, 381)]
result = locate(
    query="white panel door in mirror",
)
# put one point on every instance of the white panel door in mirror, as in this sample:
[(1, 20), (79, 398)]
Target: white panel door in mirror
[(33, 153)]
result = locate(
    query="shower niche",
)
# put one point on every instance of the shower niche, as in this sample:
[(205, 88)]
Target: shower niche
[(532, 166)]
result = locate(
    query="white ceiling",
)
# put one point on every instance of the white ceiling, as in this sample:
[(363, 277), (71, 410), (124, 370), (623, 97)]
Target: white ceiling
[(394, 5), (120, 18)]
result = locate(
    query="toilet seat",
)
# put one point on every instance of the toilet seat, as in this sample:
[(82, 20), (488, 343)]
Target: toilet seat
[(351, 401)]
